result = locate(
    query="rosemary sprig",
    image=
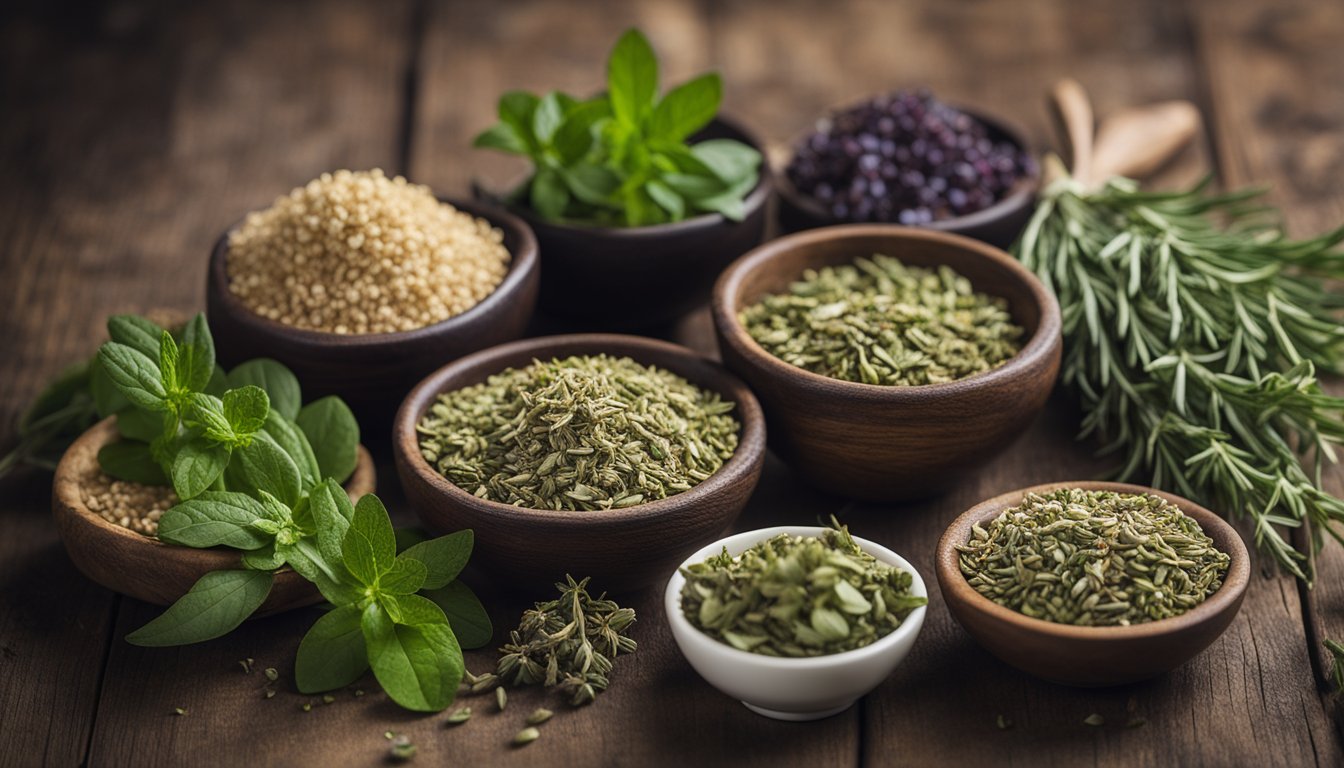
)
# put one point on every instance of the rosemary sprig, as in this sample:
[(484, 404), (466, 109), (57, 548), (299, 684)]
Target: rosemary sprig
[(1193, 330)]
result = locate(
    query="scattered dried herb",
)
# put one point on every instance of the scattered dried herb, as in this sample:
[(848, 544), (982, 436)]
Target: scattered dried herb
[(1336, 650), (526, 736), (539, 716), (460, 716), (878, 321), (501, 698), (402, 748), (1093, 558)]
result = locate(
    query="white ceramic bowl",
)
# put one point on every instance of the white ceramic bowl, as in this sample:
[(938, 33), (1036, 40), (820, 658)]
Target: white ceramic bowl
[(792, 689)]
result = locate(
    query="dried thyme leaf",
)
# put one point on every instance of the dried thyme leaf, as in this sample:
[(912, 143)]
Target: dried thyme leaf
[(501, 698), (877, 321)]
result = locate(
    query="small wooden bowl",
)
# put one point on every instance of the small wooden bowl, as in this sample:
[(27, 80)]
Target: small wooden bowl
[(622, 549), (1091, 656), (888, 443), (143, 567), (998, 225), (373, 371), (635, 278)]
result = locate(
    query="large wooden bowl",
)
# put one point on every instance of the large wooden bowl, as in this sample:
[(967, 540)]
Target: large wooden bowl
[(622, 549), (887, 443), (1091, 656), (143, 567), (373, 371)]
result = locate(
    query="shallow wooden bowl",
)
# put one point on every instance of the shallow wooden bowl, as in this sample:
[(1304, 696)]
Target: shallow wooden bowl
[(636, 278), (888, 443), (999, 224), (373, 371), (622, 549), (1091, 656), (143, 567)]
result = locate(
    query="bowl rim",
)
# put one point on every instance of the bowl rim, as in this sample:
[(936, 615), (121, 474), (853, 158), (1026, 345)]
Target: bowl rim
[(1039, 347), (1228, 596), (911, 625), (750, 451), (1021, 194), (523, 263), (766, 181)]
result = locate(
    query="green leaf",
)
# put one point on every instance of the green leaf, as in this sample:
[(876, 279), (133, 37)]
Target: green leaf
[(443, 557), (730, 160), (168, 361), (641, 210), (135, 424), (409, 537), (370, 545), (692, 186), (667, 199), (333, 653), (264, 559), (515, 110), (196, 365), (292, 441), (134, 375), (592, 183), (138, 333), (197, 465), (574, 138), (218, 383), (215, 518), (207, 412), (264, 466), (246, 408), (216, 604), (549, 194), (307, 560), (131, 461), (333, 433), (547, 117), (729, 205), (332, 513), (502, 137), (632, 77), (406, 577), (466, 615), (420, 664), (279, 382), (686, 108)]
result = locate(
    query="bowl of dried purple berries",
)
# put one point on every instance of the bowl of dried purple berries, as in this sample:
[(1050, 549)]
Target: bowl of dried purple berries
[(907, 158)]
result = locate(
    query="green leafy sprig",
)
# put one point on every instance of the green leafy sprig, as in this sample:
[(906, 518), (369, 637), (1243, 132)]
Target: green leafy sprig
[(1193, 330), (622, 158)]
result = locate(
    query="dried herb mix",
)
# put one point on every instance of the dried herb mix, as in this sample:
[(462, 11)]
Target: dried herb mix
[(1093, 558), (797, 596), (581, 433), (878, 321)]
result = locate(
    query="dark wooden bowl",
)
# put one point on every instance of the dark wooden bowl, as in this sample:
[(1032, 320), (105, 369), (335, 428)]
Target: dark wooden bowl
[(373, 371), (999, 224), (143, 567), (622, 549), (621, 279), (1091, 656), (886, 443)]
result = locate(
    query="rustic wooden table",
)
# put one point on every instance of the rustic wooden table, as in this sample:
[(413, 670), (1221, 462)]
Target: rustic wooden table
[(134, 131)]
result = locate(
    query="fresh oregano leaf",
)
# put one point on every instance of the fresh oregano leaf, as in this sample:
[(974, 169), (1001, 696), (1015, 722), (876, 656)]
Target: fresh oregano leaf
[(196, 364), (263, 465), (666, 199), (632, 77), (215, 518), (574, 137), (138, 333), (135, 375), (466, 615), (215, 606), (516, 109), (131, 461), (547, 117), (592, 183), (731, 161), (280, 384), (197, 465), (333, 433), (246, 408), (405, 577), (549, 194), (168, 355), (292, 441), (207, 412), (333, 653), (331, 518), (686, 108), (264, 559), (443, 557), (419, 665), (370, 545), (502, 137)]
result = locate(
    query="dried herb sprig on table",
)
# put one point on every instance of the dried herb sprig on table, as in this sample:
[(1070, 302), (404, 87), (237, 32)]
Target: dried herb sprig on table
[(1193, 330)]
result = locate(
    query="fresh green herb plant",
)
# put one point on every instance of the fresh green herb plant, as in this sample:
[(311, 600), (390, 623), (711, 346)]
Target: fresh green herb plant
[(622, 158), (59, 414)]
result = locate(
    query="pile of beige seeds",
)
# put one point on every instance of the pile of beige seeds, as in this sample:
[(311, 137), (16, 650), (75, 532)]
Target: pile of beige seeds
[(358, 252), (130, 505)]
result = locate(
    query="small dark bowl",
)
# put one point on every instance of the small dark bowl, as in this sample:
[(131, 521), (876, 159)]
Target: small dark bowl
[(373, 371), (999, 224), (1091, 656), (621, 549), (636, 278), (885, 443)]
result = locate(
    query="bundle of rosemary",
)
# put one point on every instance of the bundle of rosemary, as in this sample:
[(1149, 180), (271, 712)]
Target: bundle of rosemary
[(1193, 331)]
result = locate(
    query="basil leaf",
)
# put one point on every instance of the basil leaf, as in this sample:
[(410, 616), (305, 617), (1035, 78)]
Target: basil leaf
[(138, 333), (549, 194), (667, 199), (443, 557), (333, 433), (144, 426), (330, 519), (196, 365), (686, 108), (547, 117), (515, 110), (263, 465), (503, 137), (727, 204), (264, 559), (215, 606), (730, 160), (197, 465), (419, 665), (333, 653), (291, 440), (279, 382), (466, 615), (246, 408), (131, 461), (215, 518), (405, 577), (370, 545), (134, 375), (692, 186), (168, 361), (632, 77)]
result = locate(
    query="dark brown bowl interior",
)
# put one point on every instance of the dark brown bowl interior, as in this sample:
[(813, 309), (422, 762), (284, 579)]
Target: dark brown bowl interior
[(998, 225), (878, 442), (622, 549), (636, 278), (372, 372), (143, 567), (1091, 656)]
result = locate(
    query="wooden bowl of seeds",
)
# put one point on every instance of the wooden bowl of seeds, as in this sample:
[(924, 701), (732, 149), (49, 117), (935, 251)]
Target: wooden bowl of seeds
[(108, 530), (865, 299), (624, 539), (1127, 575), (366, 314)]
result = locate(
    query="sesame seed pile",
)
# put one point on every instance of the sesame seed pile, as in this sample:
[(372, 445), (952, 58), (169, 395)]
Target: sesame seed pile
[(358, 252), (130, 505)]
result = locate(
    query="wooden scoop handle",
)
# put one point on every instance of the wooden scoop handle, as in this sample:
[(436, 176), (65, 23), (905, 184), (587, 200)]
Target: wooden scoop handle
[(1136, 142)]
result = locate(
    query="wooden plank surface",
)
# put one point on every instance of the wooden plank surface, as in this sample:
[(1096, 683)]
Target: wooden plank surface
[(208, 112)]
